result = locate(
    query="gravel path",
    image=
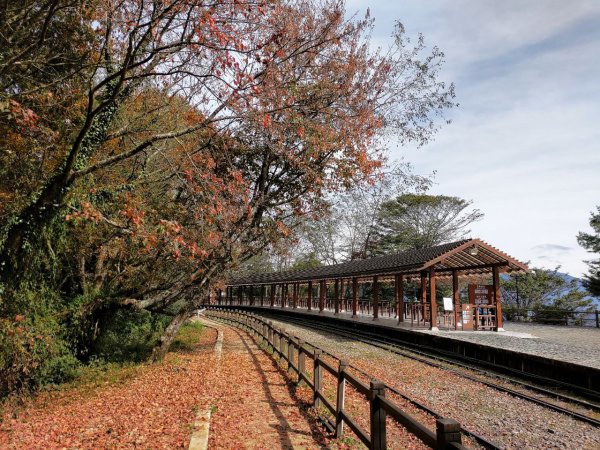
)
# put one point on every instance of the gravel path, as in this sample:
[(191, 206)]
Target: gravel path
[(510, 422)]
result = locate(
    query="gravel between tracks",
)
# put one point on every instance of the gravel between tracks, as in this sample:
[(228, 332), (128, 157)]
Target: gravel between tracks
[(510, 422)]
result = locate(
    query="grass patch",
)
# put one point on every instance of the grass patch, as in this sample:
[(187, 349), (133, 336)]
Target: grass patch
[(188, 337), (103, 374)]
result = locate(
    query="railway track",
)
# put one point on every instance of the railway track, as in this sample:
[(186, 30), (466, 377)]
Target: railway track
[(456, 367)]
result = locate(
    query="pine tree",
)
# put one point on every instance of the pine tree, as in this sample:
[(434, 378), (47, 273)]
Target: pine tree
[(591, 242)]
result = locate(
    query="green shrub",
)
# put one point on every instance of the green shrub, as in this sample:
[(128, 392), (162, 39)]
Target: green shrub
[(128, 335), (33, 354)]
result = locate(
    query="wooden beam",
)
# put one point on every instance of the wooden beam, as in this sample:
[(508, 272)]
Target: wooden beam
[(432, 301), (336, 296), (273, 289), (497, 298), (295, 295), (375, 298), (310, 295), (472, 267), (355, 297), (455, 297), (399, 291), (424, 294), (322, 289)]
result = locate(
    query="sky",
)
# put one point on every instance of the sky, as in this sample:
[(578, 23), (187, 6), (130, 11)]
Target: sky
[(524, 143)]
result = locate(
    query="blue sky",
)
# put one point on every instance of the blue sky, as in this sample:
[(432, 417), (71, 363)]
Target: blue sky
[(524, 144)]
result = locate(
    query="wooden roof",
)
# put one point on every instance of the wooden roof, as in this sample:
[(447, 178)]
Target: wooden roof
[(470, 257)]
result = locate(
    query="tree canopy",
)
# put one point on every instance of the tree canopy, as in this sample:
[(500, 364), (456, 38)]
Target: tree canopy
[(148, 148), (548, 294), (421, 220)]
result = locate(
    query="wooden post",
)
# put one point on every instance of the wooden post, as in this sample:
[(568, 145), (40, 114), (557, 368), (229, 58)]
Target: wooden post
[(295, 295), (447, 431), (262, 295), (341, 397), (273, 288), (354, 298), (342, 296), (424, 294), (318, 377), (251, 295), (378, 416), (290, 355), (399, 285), (336, 297), (322, 288), (301, 361), (432, 301), (283, 294), (310, 295), (240, 294), (497, 297), (375, 298), (455, 297)]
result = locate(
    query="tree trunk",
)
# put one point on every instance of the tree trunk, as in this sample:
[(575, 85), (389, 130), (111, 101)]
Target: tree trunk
[(169, 335), (26, 228)]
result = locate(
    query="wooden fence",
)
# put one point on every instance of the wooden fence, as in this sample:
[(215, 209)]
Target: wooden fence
[(295, 354)]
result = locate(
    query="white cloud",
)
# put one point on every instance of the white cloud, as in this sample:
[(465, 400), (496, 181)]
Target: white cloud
[(525, 142)]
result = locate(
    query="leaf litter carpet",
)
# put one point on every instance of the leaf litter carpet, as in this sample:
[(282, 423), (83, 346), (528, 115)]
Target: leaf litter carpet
[(155, 405)]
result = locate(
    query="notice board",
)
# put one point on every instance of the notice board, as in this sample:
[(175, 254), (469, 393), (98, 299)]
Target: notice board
[(481, 294)]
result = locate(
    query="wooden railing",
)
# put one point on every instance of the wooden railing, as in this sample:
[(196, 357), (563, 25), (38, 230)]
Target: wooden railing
[(294, 353)]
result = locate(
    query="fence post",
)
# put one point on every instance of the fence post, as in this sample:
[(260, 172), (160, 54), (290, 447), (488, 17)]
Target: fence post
[(290, 353), (285, 345), (301, 361), (276, 340), (378, 415), (318, 377), (597, 319), (341, 396), (447, 431)]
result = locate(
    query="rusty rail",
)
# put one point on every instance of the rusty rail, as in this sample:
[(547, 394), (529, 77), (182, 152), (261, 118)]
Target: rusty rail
[(292, 352)]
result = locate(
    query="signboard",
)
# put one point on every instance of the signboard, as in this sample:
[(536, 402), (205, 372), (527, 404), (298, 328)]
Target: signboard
[(481, 294), (466, 317), (448, 304)]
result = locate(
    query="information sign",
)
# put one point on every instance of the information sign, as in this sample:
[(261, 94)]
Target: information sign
[(448, 304), (481, 294), (466, 317)]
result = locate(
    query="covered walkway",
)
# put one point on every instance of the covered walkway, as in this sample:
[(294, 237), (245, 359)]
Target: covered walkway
[(453, 286)]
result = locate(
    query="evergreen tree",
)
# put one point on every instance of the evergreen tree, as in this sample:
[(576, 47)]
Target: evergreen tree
[(591, 242), (421, 220)]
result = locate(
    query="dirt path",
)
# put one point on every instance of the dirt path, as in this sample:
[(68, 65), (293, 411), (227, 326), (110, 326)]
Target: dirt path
[(256, 407), (154, 406)]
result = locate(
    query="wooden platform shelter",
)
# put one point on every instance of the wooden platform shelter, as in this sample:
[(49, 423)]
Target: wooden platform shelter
[(338, 287)]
